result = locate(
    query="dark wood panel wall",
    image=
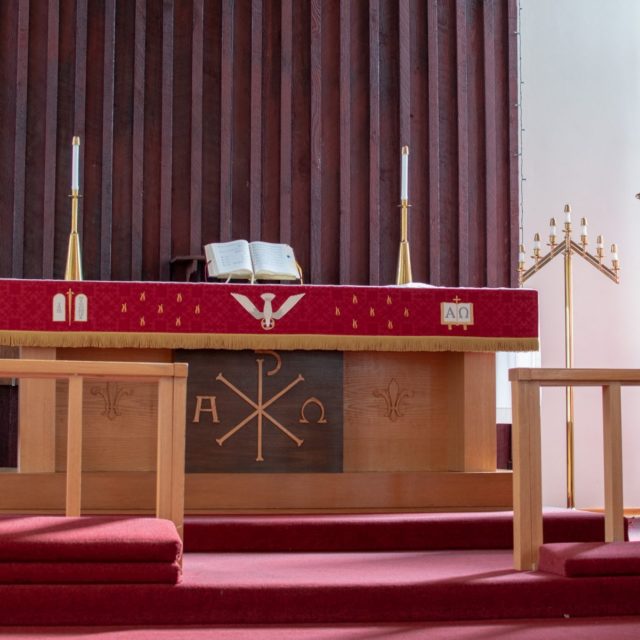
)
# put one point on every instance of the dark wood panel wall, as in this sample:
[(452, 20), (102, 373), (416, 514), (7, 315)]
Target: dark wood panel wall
[(281, 120)]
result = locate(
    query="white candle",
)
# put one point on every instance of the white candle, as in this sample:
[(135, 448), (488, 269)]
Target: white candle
[(614, 251), (583, 226), (75, 165), (536, 241), (522, 254), (552, 226), (567, 213), (404, 185), (600, 242)]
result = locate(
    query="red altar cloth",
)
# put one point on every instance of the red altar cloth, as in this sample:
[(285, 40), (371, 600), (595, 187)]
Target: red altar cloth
[(58, 313)]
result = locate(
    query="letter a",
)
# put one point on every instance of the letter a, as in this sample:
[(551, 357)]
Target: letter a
[(212, 409)]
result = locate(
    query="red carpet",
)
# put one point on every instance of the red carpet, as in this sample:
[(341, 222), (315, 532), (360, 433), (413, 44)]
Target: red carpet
[(304, 588), (561, 629), (380, 532), (332, 588)]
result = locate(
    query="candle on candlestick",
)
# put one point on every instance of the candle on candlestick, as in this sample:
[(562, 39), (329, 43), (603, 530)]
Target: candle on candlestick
[(75, 164), (614, 251), (404, 184), (567, 213)]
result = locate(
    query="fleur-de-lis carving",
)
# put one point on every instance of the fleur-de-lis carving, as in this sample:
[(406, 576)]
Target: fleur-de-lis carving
[(394, 398), (111, 394)]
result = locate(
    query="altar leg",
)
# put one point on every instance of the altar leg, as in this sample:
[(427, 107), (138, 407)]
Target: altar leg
[(37, 418)]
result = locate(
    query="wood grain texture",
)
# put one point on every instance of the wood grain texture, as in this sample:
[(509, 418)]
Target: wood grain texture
[(169, 401), (51, 138), (282, 121), (134, 492)]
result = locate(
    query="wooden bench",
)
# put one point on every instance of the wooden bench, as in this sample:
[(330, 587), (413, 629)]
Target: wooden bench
[(172, 391), (527, 460)]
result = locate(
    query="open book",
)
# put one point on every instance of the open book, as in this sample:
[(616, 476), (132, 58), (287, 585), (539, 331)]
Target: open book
[(251, 260)]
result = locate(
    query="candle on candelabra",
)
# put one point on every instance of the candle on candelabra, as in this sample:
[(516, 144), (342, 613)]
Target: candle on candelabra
[(567, 213), (522, 255), (404, 183), (600, 242), (583, 226), (75, 164), (614, 251), (552, 227)]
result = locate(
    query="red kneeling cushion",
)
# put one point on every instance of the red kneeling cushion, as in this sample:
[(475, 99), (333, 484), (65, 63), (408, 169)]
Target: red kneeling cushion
[(574, 559), (88, 549), (88, 539)]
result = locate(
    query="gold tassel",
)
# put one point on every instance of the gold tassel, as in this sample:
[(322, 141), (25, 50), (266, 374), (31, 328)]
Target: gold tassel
[(261, 341)]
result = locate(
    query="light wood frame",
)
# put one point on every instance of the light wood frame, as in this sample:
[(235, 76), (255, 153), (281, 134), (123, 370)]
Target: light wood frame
[(527, 470), (172, 391)]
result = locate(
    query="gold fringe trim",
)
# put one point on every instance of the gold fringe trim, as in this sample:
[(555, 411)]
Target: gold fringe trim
[(231, 341)]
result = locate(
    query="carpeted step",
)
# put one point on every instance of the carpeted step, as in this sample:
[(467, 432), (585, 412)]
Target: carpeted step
[(577, 559), (96, 549), (378, 532), (306, 588)]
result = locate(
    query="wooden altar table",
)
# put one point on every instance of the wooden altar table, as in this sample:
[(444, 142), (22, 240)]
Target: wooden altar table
[(301, 397)]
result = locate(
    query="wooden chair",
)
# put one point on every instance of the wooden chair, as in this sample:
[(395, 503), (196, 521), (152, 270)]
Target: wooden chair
[(527, 474)]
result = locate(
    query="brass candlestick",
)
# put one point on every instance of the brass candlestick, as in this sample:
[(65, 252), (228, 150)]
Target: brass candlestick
[(73, 270), (404, 259), (568, 248)]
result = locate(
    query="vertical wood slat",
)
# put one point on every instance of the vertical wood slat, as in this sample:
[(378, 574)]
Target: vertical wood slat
[(79, 110), (137, 177), (345, 141), (178, 449), (107, 139), (514, 127), (197, 127), (166, 152), (434, 146), (491, 145), (527, 476), (612, 449), (74, 447), (286, 114), (374, 142), (80, 83), (226, 122), (463, 144), (51, 137), (164, 452), (37, 418), (20, 148), (404, 61), (316, 141), (255, 180)]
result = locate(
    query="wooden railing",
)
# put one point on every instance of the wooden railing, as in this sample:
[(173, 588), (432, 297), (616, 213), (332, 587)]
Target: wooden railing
[(527, 474), (172, 390)]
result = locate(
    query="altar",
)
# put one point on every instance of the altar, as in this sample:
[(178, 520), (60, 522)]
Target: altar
[(300, 398)]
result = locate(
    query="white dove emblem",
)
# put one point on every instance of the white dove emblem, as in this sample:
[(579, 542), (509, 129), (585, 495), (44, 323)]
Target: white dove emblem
[(268, 316)]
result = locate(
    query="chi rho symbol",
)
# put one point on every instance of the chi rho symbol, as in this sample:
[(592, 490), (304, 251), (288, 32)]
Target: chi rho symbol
[(260, 406)]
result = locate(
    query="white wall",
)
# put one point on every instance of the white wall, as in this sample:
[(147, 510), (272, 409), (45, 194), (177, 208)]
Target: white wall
[(581, 145)]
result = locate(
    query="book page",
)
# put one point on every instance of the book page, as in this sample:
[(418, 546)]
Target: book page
[(228, 259), (272, 261)]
